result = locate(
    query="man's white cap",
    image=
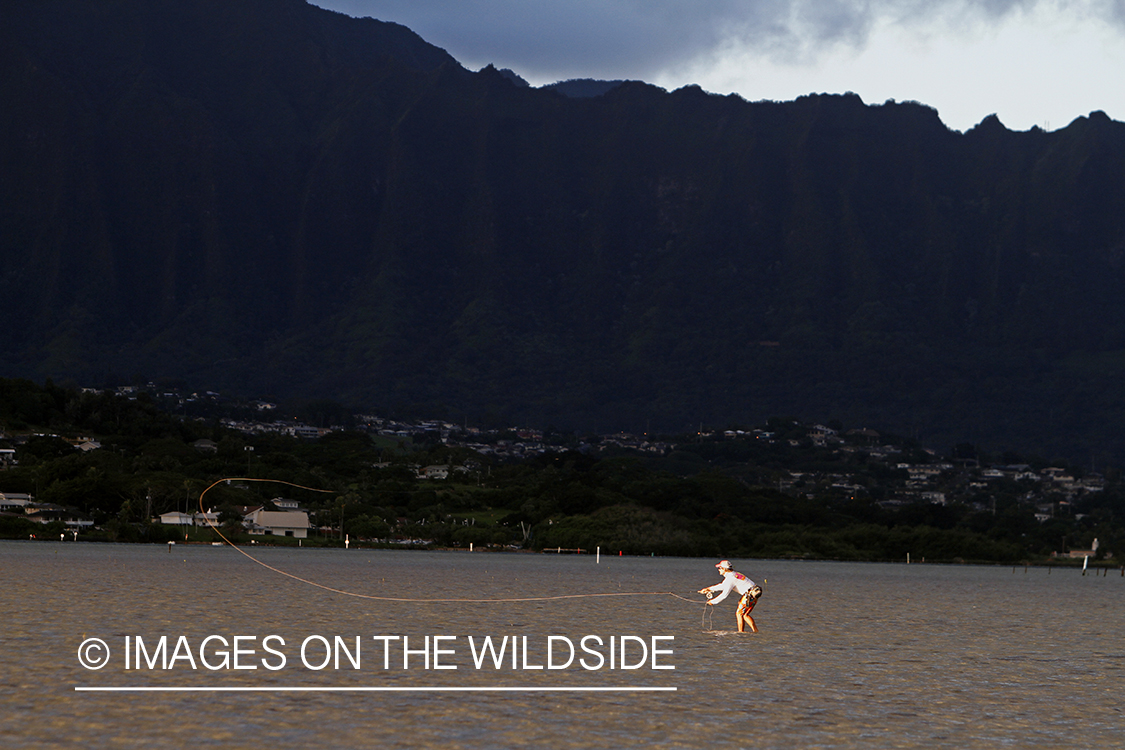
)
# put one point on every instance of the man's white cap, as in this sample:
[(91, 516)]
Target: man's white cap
[(724, 565)]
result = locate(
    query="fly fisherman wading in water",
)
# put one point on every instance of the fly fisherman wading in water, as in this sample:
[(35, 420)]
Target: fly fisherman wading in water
[(750, 592)]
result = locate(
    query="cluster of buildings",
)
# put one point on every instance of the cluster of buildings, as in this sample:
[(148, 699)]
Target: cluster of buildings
[(285, 518), (25, 506), (1051, 492)]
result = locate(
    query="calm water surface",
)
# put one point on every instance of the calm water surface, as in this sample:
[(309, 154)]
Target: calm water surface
[(849, 655)]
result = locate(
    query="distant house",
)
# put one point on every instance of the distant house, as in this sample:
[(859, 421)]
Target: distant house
[(1093, 482), (1080, 553), (175, 518), (209, 519), (924, 472), (294, 523), (206, 446), (1058, 475), (14, 500), (48, 512), (307, 432), (434, 472), (7, 456), (819, 430)]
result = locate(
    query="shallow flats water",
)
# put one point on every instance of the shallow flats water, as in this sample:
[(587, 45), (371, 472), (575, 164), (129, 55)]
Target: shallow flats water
[(849, 655)]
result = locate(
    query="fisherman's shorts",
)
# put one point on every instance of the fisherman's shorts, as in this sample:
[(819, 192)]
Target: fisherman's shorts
[(747, 602)]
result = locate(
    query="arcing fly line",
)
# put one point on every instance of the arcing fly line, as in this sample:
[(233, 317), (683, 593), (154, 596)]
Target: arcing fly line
[(708, 620), (246, 554)]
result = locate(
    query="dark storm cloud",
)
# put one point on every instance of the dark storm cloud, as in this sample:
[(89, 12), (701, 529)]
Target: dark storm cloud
[(633, 36), (639, 38)]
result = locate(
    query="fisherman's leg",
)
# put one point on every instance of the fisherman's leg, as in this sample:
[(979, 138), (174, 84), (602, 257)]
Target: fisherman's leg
[(745, 607)]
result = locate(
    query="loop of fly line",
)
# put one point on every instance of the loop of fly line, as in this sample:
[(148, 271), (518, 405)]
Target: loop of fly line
[(232, 545)]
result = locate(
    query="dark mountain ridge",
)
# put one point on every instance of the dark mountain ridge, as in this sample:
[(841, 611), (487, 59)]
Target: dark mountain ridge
[(272, 198), (583, 87)]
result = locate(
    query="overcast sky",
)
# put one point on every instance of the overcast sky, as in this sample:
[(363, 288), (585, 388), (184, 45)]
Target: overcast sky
[(1032, 62)]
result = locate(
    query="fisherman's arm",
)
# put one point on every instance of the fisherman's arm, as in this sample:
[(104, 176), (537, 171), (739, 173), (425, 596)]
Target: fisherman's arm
[(725, 587)]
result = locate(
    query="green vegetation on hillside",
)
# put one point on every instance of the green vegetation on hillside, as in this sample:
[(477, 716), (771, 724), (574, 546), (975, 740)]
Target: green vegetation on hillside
[(772, 492)]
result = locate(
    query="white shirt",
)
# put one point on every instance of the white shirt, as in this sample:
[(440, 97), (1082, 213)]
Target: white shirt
[(731, 580)]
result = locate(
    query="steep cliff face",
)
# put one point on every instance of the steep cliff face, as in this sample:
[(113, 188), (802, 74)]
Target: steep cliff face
[(164, 157), (266, 196)]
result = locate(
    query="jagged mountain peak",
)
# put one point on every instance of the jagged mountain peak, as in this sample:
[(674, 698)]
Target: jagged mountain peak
[(270, 197)]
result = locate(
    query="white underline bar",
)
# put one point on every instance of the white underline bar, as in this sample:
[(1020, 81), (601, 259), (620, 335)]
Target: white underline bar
[(80, 689)]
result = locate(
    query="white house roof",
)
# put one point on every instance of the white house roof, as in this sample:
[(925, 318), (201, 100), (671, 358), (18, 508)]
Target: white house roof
[(279, 519), (175, 518)]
